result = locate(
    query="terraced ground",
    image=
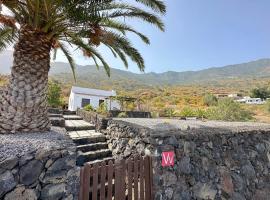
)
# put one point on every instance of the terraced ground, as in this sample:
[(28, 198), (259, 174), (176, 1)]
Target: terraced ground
[(91, 145)]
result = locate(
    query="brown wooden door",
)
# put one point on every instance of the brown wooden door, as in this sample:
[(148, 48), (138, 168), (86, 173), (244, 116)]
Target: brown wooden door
[(129, 179)]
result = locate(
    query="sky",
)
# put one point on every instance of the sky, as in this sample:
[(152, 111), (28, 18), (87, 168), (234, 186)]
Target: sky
[(201, 34)]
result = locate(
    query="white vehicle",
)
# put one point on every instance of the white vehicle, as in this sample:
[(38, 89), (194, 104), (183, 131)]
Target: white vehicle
[(249, 100)]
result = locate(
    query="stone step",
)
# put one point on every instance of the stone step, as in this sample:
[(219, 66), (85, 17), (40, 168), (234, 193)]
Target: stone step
[(107, 159), (72, 117), (78, 125), (92, 147), (68, 112), (92, 156), (89, 140), (82, 134), (55, 115)]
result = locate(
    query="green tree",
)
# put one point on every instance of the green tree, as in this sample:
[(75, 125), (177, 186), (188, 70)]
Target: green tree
[(210, 100), (54, 94), (38, 27), (261, 92)]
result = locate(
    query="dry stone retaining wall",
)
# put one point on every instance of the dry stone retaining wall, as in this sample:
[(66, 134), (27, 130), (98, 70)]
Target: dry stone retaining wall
[(38, 166), (210, 163)]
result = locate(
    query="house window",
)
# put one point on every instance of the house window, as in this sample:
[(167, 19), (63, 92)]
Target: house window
[(101, 101), (85, 102)]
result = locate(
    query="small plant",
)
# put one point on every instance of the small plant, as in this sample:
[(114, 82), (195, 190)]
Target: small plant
[(122, 115), (88, 108), (102, 109), (268, 106), (210, 100), (187, 112)]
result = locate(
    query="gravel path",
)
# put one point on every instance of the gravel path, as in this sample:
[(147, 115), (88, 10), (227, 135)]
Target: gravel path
[(22, 143), (174, 124)]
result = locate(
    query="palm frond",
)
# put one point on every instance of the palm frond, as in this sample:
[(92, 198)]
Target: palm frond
[(69, 58), (7, 37)]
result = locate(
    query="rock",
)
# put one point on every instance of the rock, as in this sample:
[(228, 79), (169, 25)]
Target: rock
[(62, 164), (24, 159), (42, 154), (53, 192), (169, 178), (226, 182), (248, 171), (238, 182), (30, 172), (7, 182), (204, 191), (127, 152), (184, 165), (262, 194), (189, 147), (17, 193), (9, 163), (237, 196), (54, 177), (169, 193)]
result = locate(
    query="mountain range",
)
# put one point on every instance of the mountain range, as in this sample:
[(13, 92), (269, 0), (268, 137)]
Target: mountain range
[(89, 76)]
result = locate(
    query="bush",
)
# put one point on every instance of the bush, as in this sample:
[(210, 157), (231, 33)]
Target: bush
[(54, 95), (88, 108), (187, 112), (228, 110), (210, 100), (262, 92), (268, 106), (102, 109), (122, 115)]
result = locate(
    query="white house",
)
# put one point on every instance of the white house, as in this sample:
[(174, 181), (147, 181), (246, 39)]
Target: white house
[(81, 97)]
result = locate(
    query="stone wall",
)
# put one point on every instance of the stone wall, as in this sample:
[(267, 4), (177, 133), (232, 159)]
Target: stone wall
[(217, 162), (98, 120), (38, 166)]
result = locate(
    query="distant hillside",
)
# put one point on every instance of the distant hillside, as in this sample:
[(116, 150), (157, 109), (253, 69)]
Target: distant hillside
[(91, 77)]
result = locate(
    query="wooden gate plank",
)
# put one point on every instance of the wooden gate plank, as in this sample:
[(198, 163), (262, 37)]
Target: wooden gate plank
[(86, 182), (95, 181), (130, 178), (136, 190), (81, 183), (147, 178), (110, 178), (141, 179), (102, 180)]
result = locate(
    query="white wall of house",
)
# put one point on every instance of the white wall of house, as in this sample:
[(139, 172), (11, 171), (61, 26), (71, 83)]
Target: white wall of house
[(79, 95)]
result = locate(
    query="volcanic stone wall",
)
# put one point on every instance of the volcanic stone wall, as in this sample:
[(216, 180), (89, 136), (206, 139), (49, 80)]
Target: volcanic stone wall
[(210, 163), (38, 166)]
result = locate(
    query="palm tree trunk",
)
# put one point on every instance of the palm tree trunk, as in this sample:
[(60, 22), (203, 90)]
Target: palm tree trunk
[(23, 106)]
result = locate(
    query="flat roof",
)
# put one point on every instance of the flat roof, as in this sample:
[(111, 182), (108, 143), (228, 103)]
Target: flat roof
[(90, 91)]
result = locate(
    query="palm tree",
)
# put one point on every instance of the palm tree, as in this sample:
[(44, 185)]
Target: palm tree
[(37, 27)]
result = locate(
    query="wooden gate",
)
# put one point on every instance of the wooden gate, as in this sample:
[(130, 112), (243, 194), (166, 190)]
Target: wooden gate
[(129, 179)]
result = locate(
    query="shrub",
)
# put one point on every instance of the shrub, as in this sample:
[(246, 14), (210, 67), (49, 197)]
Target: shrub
[(228, 110), (187, 112), (88, 108), (268, 106), (122, 115), (102, 109), (200, 113), (210, 100), (262, 92), (54, 94)]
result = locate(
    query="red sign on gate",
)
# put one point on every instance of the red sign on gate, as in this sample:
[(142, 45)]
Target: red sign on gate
[(167, 159)]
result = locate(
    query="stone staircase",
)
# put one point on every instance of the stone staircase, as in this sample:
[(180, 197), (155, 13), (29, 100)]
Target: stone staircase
[(91, 145)]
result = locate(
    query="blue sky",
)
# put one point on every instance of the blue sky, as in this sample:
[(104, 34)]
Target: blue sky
[(202, 34)]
